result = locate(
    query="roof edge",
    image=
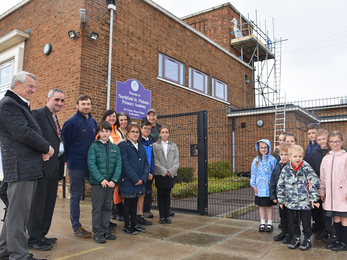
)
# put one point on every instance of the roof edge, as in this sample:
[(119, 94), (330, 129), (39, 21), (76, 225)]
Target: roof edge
[(14, 8)]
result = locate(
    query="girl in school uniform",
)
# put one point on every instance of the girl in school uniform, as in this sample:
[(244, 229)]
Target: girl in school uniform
[(166, 161), (333, 189), (135, 171), (262, 167)]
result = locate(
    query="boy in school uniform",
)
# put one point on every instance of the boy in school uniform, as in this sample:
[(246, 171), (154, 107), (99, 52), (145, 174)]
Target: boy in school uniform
[(297, 189), (313, 145), (322, 223), (105, 166), (286, 234), (145, 201), (281, 138)]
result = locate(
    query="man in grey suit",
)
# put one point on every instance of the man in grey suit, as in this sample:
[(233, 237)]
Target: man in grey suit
[(42, 208), (23, 150)]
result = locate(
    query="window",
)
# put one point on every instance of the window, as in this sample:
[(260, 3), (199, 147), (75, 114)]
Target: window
[(6, 73), (219, 89), (198, 80), (171, 69)]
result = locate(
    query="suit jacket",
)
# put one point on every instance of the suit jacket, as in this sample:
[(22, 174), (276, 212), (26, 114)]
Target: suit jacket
[(45, 120), (22, 144)]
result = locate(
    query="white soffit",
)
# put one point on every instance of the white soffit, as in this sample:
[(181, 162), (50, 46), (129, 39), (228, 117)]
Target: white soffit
[(13, 38)]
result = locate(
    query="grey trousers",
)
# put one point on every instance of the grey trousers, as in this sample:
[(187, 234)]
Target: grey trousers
[(101, 209), (15, 241)]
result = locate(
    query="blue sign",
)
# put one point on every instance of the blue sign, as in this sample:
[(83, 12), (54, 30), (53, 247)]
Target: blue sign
[(133, 98)]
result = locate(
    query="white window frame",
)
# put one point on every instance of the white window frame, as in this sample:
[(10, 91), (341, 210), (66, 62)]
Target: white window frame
[(164, 60), (218, 83), (205, 85)]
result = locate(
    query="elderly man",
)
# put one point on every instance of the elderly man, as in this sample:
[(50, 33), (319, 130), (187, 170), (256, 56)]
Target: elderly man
[(46, 192), (23, 151)]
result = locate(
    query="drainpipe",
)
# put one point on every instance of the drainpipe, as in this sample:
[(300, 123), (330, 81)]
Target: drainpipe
[(112, 8)]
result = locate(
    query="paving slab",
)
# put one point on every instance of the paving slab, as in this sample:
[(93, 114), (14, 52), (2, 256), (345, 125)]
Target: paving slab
[(197, 239)]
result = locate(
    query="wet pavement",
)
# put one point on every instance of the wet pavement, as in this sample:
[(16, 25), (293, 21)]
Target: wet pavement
[(188, 237)]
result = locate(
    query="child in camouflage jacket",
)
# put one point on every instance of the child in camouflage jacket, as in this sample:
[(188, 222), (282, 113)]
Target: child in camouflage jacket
[(297, 189)]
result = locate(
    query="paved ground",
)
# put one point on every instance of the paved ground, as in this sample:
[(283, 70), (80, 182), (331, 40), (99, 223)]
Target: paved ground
[(188, 237)]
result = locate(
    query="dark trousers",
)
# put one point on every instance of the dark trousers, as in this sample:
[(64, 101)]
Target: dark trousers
[(42, 208), (148, 197), (318, 216), (101, 209), (14, 239), (130, 208), (305, 216), (285, 220), (77, 179), (164, 199)]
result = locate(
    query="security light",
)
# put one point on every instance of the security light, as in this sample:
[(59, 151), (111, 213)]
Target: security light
[(73, 34)]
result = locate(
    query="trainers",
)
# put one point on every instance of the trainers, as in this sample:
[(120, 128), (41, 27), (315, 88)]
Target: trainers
[(306, 244), (340, 247), (139, 229), (129, 230), (119, 218), (262, 228), (269, 228), (280, 237), (330, 238), (322, 235), (99, 239), (109, 236), (81, 232), (295, 243), (171, 214), (162, 220), (148, 214), (333, 244), (168, 220), (142, 221), (288, 238)]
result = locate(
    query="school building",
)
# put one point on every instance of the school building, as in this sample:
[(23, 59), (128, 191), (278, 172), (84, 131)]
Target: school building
[(199, 62)]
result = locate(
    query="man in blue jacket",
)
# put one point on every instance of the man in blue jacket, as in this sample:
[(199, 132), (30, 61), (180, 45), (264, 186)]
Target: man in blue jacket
[(78, 131)]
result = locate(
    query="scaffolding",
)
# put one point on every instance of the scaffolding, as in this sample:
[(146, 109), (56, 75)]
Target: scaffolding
[(258, 50)]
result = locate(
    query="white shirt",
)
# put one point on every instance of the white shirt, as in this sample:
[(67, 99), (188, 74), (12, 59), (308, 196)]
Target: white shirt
[(136, 145), (26, 101), (165, 145)]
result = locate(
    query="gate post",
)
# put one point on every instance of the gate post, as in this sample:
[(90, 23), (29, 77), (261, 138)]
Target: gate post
[(202, 163)]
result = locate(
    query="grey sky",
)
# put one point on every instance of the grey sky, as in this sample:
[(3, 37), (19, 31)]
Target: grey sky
[(314, 55)]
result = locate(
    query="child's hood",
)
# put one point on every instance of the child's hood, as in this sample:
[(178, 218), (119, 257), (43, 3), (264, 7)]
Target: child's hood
[(263, 141)]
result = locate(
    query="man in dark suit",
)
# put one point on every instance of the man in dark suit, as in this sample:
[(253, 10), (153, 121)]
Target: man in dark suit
[(23, 150), (46, 192)]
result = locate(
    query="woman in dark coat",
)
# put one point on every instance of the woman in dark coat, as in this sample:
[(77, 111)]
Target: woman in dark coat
[(135, 171)]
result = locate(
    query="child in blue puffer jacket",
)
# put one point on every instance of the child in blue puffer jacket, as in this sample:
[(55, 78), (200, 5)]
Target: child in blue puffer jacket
[(262, 167)]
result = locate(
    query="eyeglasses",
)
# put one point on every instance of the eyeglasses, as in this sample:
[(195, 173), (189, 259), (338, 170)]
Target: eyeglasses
[(147, 129), (263, 148), (335, 142), (134, 132)]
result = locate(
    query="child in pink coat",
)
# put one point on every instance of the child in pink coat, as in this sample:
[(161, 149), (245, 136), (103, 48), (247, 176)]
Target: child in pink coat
[(333, 189)]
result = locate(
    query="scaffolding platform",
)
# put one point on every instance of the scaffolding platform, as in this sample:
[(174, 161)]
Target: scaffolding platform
[(248, 44)]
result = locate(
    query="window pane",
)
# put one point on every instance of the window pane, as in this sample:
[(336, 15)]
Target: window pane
[(171, 70), (198, 81), (182, 74), (5, 75), (160, 65), (219, 89)]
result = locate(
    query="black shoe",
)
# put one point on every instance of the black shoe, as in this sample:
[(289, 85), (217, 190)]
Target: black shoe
[(50, 241), (306, 244), (40, 246), (99, 239), (330, 238), (171, 214), (119, 218), (148, 214), (168, 220), (139, 229), (322, 235), (295, 243), (113, 224), (333, 244), (142, 221), (162, 220), (113, 216), (288, 238), (269, 228), (280, 237), (129, 230), (109, 236), (262, 228), (31, 257), (340, 247)]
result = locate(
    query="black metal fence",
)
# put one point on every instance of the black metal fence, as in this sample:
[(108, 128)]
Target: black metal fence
[(217, 148)]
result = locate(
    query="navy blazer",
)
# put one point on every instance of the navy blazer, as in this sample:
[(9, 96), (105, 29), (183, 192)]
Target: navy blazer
[(134, 168)]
